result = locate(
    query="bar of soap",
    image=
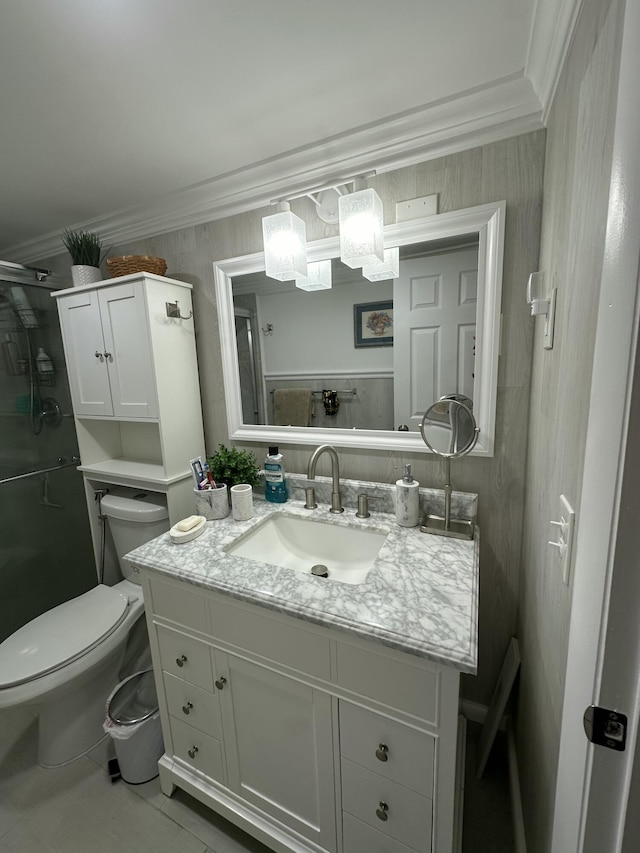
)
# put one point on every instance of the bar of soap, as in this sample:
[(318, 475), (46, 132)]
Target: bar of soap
[(188, 523)]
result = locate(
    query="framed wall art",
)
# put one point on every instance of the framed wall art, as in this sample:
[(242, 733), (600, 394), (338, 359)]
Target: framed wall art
[(373, 324)]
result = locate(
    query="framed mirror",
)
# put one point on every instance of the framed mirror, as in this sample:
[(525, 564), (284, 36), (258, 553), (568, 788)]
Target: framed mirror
[(359, 364)]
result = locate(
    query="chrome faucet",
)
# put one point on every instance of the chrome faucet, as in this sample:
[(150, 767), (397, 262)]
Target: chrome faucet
[(336, 500)]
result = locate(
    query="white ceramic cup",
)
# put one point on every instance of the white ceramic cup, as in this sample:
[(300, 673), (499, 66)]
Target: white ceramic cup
[(242, 502), (212, 503)]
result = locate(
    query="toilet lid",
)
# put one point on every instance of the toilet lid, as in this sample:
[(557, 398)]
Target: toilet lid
[(60, 635)]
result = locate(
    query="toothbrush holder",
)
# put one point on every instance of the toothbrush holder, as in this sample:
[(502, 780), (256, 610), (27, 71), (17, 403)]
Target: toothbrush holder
[(212, 503)]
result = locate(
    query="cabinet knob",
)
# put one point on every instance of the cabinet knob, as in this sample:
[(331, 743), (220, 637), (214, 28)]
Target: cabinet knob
[(220, 683), (181, 660), (382, 752), (107, 354), (98, 354), (382, 811), (187, 708), (193, 750)]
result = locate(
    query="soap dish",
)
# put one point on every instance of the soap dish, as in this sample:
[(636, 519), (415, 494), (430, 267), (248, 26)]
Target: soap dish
[(180, 536)]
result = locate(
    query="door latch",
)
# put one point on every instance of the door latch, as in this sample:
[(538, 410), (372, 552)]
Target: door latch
[(605, 727)]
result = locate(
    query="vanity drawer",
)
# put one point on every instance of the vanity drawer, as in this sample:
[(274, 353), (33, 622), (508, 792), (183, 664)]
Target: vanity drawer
[(192, 705), (358, 837), (408, 815), (272, 637), (387, 747), (198, 750), (186, 658), (179, 603), (391, 680)]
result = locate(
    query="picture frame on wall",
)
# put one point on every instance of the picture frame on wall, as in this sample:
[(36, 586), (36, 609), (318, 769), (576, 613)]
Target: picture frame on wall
[(373, 324)]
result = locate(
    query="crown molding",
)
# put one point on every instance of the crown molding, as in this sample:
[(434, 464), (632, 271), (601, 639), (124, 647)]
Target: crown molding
[(553, 26), (506, 108)]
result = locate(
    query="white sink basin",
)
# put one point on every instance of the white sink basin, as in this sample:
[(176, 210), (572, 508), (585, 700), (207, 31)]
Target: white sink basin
[(297, 543)]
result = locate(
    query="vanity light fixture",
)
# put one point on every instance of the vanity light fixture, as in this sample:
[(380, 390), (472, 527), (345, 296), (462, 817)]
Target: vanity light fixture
[(285, 244), (383, 270), (361, 226), (542, 303), (318, 277)]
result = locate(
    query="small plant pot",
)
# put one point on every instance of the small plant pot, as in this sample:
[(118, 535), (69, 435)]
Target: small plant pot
[(81, 274), (212, 503)]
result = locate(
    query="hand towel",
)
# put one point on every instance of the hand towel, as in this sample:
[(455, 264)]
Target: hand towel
[(292, 406)]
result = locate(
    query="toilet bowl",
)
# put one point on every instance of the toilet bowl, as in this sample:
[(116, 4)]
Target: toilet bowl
[(66, 661)]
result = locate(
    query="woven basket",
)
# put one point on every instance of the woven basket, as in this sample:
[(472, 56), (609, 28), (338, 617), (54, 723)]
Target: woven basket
[(128, 264)]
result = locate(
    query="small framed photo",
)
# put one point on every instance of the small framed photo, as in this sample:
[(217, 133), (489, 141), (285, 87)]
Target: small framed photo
[(373, 324)]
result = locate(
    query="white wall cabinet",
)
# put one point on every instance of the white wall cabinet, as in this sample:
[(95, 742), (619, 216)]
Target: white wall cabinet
[(306, 737), (109, 354), (135, 390)]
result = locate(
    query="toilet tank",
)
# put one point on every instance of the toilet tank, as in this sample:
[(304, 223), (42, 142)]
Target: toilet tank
[(134, 517)]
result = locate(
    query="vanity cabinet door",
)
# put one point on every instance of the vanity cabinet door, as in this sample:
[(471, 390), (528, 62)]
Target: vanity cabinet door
[(279, 746)]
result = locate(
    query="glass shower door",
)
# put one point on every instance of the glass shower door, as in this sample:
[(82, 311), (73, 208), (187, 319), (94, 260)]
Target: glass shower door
[(46, 554)]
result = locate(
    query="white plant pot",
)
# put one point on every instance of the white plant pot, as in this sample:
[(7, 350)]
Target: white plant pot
[(81, 274)]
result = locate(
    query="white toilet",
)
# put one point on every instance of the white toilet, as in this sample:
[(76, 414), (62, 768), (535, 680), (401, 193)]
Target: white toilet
[(66, 661)]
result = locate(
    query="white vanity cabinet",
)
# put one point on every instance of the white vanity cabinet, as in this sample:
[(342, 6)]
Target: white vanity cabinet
[(135, 389), (309, 738)]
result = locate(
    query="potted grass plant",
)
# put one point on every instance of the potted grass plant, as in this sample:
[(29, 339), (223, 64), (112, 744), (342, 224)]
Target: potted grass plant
[(86, 253)]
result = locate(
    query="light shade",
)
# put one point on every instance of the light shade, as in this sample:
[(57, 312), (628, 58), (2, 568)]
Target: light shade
[(285, 245), (317, 278), (361, 228), (382, 270)]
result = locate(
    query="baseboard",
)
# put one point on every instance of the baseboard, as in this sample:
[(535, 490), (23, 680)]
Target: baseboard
[(516, 796)]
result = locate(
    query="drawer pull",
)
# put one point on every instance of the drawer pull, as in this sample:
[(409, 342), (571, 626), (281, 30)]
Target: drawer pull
[(181, 660), (192, 753), (383, 811), (382, 752), (186, 708), (220, 683)]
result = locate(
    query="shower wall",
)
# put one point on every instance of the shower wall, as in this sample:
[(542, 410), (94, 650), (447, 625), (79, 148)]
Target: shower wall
[(46, 555)]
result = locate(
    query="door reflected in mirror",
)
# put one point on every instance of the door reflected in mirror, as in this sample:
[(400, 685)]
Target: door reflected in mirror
[(352, 364)]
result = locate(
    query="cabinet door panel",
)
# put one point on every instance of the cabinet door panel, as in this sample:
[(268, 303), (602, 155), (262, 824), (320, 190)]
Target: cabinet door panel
[(200, 751), (406, 816), (130, 362), (278, 741), (387, 747), (85, 348)]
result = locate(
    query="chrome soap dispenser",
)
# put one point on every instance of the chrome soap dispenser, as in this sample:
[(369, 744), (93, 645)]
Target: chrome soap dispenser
[(407, 500)]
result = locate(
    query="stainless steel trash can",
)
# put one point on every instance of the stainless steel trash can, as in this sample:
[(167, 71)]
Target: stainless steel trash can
[(133, 721)]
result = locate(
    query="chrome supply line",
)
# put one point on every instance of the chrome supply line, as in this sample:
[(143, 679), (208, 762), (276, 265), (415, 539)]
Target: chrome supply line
[(62, 463)]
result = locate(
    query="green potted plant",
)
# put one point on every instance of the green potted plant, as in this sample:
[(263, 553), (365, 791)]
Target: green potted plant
[(233, 466), (86, 253)]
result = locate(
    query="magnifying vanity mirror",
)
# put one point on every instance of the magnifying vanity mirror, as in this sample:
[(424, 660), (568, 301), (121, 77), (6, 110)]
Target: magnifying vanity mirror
[(449, 430), (316, 367)]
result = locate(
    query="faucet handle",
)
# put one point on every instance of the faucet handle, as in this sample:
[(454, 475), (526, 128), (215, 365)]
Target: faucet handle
[(363, 505)]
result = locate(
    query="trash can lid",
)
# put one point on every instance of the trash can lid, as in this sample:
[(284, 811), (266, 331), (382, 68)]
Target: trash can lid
[(135, 700)]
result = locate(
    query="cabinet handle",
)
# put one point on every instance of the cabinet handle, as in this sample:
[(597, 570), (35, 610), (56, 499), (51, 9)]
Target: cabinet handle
[(382, 752), (192, 753), (181, 660), (186, 708), (220, 683), (383, 811), (98, 354), (107, 354)]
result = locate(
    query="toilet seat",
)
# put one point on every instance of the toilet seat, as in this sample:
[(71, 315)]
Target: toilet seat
[(61, 635)]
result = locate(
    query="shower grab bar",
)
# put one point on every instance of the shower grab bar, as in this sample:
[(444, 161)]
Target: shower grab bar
[(75, 461)]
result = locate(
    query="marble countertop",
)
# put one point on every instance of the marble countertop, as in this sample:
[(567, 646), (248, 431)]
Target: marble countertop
[(421, 595)]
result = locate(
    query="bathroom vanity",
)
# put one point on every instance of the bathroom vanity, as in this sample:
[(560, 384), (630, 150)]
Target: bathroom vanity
[(318, 715)]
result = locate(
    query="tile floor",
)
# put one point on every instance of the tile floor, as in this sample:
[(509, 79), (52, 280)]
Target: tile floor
[(76, 809)]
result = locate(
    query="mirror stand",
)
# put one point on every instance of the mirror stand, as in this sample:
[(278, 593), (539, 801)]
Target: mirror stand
[(452, 420)]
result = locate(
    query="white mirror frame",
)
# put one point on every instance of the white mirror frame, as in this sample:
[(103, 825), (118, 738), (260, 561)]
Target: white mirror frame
[(487, 221)]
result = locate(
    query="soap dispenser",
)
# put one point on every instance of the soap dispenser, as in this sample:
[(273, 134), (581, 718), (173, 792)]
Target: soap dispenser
[(407, 499)]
